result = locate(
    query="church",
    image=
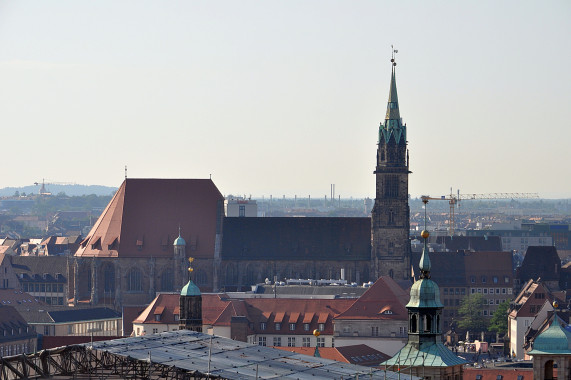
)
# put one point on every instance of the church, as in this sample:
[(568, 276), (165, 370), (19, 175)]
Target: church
[(140, 243)]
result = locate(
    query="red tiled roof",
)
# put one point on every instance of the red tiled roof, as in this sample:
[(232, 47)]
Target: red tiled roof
[(293, 317), (383, 295), (307, 317), (147, 212), (279, 317)]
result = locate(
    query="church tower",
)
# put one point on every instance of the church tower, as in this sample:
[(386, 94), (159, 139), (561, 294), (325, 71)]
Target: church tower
[(425, 355), (390, 223), (190, 302)]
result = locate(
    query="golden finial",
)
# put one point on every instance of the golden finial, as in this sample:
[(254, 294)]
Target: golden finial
[(190, 260), (316, 332)]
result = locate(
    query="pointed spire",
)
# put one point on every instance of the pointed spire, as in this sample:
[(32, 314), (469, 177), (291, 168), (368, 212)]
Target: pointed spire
[(393, 112)]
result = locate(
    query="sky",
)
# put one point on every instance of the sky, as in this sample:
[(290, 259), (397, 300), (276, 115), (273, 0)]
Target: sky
[(285, 97)]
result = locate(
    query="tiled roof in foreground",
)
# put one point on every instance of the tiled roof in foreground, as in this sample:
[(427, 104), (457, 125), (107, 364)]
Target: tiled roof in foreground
[(232, 359)]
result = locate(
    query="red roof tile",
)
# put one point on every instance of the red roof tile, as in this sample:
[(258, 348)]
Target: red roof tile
[(385, 294), (145, 214)]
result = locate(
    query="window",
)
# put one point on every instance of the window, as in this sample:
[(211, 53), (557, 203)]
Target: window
[(457, 291), (134, 280), (507, 281), (391, 186), (176, 317), (446, 302), (473, 279), (263, 325), (479, 290), (292, 326), (167, 280), (278, 326), (306, 327), (503, 290), (445, 291), (155, 331), (463, 291), (483, 279), (497, 290), (291, 341), (495, 279), (321, 326), (242, 211), (261, 341), (485, 290), (306, 342), (457, 302), (320, 341), (277, 341), (473, 290), (519, 377), (499, 377), (402, 331), (491, 290), (374, 331), (478, 377), (510, 290)]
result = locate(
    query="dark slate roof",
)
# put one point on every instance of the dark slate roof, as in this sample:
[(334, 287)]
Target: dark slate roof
[(74, 315), (448, 268), (471, 243), (40, 265), (540, 262), (296, 239)]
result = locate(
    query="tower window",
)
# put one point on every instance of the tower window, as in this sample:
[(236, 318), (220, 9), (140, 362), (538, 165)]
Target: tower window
[(391, 186)]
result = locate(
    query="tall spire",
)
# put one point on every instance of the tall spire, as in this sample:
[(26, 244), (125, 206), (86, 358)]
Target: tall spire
[(393, 103)]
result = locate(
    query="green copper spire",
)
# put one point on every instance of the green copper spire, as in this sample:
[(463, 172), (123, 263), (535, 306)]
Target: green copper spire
[(393, 104), (393, 126)]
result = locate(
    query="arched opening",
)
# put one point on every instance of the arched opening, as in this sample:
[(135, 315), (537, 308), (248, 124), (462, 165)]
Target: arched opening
[(428, 323), (391, 274), (413, 323), (167, 280), (548, 370), (437, 323), (134, 280)]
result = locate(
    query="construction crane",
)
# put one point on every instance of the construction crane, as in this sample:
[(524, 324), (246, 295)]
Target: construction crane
[(454, 199), (44, 191)]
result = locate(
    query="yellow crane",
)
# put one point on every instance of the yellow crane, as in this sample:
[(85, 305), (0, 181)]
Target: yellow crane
[(454, 199)]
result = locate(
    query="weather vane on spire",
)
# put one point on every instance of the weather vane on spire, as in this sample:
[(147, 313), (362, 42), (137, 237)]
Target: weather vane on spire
[(395, 51)]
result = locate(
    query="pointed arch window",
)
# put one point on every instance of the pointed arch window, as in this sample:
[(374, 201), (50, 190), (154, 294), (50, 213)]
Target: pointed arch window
[(134, 280), (109, 279), (167, 280)]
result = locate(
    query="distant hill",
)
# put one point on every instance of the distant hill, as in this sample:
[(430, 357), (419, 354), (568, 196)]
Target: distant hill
[(71, 190)]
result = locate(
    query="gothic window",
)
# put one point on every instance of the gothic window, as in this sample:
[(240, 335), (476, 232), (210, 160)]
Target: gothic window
[(167, 280), (391, 273), (109, 279), (391, 220), (231, 274), (427, 323), (134, 280), (89, 278), (200, 277), (391, 186)]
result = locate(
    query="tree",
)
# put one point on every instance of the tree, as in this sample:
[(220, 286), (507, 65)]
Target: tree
[(499, 321), (470, 313)]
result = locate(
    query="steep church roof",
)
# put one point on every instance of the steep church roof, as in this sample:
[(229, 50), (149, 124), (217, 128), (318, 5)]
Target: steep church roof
[(143, 217)]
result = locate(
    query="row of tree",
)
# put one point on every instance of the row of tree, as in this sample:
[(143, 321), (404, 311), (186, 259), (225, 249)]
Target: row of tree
[(471, 317)]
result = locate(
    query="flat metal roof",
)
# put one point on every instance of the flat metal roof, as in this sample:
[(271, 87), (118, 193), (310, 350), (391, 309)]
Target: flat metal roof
[(232, 359)]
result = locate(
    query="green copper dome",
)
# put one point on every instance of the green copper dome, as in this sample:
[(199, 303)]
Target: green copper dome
[(424, 293), (553, 340), (179, 241), (190, 289)]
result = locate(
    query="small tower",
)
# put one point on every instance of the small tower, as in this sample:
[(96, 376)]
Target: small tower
[(190, 305), (179, 247), (390, 223), (425, 355)]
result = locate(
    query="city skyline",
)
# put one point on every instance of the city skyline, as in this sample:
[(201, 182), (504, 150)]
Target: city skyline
[(285, 98)]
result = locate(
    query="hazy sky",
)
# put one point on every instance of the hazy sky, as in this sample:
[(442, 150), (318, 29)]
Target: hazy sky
[(285, 97)]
